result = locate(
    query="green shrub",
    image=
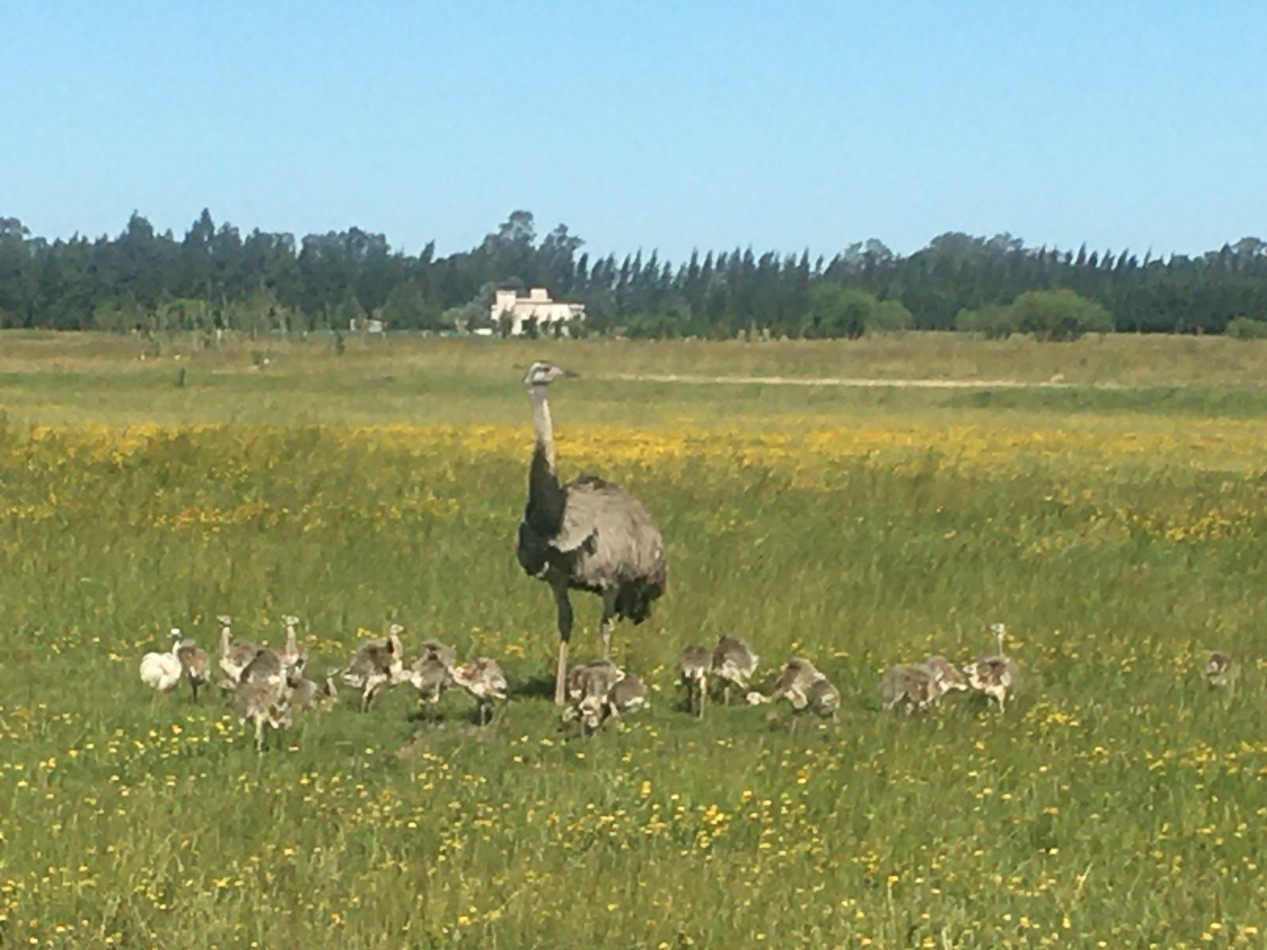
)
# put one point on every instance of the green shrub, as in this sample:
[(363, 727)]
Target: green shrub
[(1247, 328), (991, 321), (889, 316), (1059, 315), (835, 311)]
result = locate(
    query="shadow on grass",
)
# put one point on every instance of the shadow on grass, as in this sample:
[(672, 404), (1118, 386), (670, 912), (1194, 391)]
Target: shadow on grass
[(535, 687)]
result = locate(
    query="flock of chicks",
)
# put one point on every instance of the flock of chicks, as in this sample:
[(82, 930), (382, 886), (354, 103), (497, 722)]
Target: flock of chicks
[(268, 685), (922, 685), (805, 688), (733, 662)]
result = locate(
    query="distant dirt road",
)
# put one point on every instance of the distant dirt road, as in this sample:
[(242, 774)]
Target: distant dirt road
[(856, 382)]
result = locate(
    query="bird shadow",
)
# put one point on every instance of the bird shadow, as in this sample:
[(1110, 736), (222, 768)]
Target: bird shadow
[(535, 687), (428, 715), (441, 719)]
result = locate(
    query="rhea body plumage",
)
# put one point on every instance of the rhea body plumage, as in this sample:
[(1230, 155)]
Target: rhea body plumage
[(585, 535)]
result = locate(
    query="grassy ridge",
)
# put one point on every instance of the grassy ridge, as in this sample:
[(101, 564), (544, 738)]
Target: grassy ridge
[(1120, 802)]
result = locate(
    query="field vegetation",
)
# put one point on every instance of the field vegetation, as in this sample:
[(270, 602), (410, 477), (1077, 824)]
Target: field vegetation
[(1115, 518)]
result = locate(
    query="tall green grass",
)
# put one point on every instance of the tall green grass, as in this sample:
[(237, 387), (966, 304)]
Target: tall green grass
[(1120, 801)]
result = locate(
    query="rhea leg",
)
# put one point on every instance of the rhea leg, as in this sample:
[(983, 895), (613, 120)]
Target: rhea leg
[(605, 626), (565, 634)]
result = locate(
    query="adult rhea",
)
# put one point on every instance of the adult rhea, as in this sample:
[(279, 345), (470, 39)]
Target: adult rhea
[(586, 535)]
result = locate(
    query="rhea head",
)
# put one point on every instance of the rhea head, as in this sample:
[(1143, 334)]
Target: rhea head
[(543, 373)]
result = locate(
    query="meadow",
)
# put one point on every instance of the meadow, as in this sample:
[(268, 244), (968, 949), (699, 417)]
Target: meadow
[(1115, 519)]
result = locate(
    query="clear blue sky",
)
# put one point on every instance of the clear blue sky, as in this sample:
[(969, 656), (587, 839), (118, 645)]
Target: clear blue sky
[(653, 125)]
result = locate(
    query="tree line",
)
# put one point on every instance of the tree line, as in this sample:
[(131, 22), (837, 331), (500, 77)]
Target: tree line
[(214, 277)]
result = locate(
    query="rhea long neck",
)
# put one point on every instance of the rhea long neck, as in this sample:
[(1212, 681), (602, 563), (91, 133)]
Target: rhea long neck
[(545, 496), (542, 428)]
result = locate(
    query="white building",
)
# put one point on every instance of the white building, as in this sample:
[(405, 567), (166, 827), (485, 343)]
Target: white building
[(538, 306)]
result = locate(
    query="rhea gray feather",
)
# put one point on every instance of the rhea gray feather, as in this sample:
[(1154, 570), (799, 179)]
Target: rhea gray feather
[(586, 535)]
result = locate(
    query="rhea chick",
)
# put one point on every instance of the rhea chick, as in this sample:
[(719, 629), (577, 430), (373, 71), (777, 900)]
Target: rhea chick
[(265, 705), (194, 664), (908, 688), (431, 671), (793, 684), (162, 671), (376, 665), (627, 696), (234, 654), (484, 680), (946, 677), (995, 674), (733, 662), (588, 687), (804, 687), (694, 664), (289, 654), (305, 694), (265, 667), (1220, 670), (591, 679), (822, 698)]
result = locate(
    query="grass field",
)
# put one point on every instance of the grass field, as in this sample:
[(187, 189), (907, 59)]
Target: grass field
[(1118, 527)]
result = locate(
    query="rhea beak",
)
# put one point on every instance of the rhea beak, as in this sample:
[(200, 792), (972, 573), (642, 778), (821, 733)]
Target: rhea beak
[(571, 374)]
